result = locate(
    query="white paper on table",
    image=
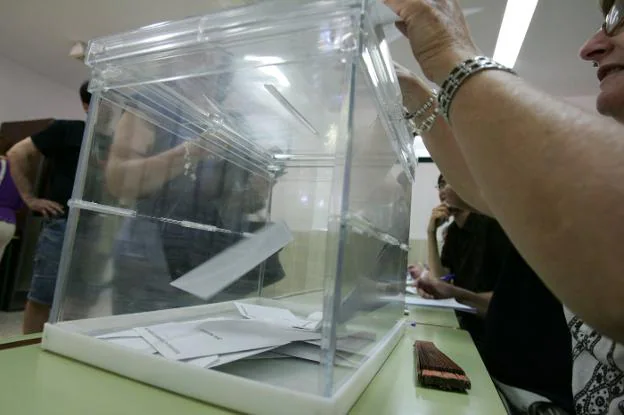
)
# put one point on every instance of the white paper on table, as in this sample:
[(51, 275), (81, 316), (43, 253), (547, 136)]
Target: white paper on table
[(131, 333), (232, 357), (351, 343), (130, 339), (411, 290), (267, 355), (315, 316), (204, 362), (307, 351), (208, 279), (188, 340), (135, 343), (449, 303), (279, 316), (218, 360), (240, 335), (179, 340)]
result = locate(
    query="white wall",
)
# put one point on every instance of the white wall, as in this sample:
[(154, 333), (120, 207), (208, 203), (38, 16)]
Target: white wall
[(424, 199), (26, 95)]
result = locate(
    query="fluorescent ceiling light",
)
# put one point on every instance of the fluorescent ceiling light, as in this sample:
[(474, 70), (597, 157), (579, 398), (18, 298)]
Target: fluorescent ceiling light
[(516, 21)]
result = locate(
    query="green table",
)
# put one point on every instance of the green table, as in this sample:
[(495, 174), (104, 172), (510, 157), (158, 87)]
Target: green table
[(433, 316), (392, 391), (38, 382)]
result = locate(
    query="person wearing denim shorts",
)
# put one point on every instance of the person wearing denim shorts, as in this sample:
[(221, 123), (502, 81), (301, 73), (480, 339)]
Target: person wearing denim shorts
[(60, 144)]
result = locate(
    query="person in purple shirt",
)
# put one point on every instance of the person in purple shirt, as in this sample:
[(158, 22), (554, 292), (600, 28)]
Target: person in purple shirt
[(10, 203)]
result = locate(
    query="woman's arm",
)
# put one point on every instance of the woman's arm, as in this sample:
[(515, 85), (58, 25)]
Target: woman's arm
[(441, 143), (553, 177), (430, 287), (479, 301), (551, 174)]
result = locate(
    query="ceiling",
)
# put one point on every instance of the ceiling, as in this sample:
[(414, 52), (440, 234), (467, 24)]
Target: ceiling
[(549, 55), (38, 34)]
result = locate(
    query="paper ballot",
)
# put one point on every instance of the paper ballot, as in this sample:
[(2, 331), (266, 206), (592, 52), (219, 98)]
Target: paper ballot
[(240, 335), (279, 316), (450, 303), (311, 352), (218, 360), (129, 338), (220, 271), (416, 300), (177, 340), (190, 340)]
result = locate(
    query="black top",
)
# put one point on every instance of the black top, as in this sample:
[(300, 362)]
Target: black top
[(475, 253), (527, 339), (60, 144)]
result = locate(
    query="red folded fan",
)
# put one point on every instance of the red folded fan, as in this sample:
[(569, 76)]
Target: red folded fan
[(437, 370)]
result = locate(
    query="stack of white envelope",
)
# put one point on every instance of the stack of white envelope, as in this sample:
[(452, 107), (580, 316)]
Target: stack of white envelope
[(260, 332)]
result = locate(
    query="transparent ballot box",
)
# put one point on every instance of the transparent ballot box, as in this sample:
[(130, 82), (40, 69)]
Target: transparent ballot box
[(238, 231)]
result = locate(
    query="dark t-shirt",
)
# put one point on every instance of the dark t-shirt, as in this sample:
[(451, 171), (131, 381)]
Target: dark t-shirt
[(475, 254), (527, 338), (60, 144)]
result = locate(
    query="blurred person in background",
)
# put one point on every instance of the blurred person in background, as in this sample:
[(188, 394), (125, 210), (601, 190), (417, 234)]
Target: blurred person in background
[(60, 144), (10, 203)]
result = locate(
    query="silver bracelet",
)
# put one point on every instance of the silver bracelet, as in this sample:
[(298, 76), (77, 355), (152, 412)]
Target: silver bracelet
[(459, 75), (423, 110), (427, 124)]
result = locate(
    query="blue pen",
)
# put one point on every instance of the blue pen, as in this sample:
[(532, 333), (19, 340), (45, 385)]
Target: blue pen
[(448, 278)]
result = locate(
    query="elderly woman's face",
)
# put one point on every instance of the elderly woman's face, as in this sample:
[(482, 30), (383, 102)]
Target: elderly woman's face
[(608, 54)]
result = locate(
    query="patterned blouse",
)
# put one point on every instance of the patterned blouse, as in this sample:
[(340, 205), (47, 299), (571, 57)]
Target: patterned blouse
[(598, 375)]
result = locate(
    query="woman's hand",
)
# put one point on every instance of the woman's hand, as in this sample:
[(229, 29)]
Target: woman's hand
[(433, 288), (415, 90), (439, 216), (437, 33)]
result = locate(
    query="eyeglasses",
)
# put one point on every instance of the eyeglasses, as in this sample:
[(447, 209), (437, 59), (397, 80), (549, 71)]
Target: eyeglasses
[(614, 17)]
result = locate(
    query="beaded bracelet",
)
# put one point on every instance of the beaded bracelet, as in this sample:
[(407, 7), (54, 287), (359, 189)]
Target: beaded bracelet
[(428, 122)]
